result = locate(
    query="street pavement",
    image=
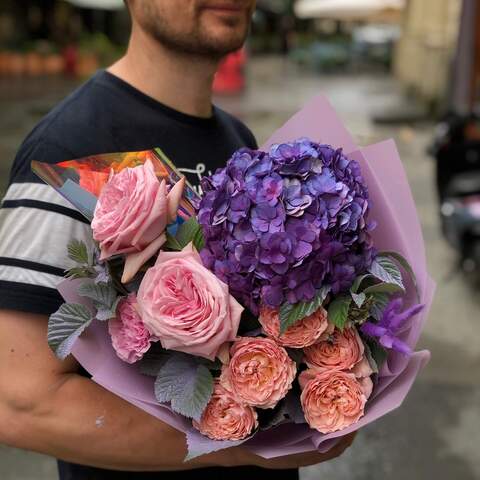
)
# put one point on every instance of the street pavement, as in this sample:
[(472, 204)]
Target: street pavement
[(436, 432)]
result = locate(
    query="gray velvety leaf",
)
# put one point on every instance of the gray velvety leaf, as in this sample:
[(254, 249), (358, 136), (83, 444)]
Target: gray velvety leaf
[(186, 384), (104, 314), (104, 295), (199, 444), (152, 361), (65, 326)]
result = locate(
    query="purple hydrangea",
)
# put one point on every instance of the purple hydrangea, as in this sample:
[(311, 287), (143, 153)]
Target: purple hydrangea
[(280, 225)]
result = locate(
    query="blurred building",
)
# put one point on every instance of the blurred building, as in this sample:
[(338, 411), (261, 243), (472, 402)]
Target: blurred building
[(427, 48)]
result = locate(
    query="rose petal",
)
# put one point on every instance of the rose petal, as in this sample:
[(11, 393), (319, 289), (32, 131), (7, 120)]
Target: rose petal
[(134, 261)]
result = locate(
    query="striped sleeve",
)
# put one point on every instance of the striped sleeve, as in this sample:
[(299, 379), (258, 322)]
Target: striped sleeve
[(36, 225)]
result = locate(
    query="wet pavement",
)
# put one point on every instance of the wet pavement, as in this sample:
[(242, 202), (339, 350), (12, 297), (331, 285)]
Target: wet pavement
[(436, 432)]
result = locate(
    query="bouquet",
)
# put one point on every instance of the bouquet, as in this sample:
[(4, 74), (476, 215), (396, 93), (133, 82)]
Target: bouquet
[(280, 309)]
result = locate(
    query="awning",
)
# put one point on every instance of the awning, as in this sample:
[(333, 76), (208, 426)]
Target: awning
[(347, 9), (98, 4)]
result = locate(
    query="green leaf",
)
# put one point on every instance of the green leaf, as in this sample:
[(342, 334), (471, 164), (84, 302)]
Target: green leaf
[(358, 281), (387, 271), (172, 243), (379, 302), (384, 288), (291, 314), (65, 326), (186, 384), (199, 240), (358, 298), (378, 353), (79, 272), (78, 252), (369, 356), (338, 311), (104, 296), (405, 265), (187, 231)]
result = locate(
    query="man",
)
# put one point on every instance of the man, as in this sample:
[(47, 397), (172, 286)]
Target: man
[(158, 94)]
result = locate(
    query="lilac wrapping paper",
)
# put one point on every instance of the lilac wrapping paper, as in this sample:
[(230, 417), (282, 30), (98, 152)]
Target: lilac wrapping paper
[(398, 229)]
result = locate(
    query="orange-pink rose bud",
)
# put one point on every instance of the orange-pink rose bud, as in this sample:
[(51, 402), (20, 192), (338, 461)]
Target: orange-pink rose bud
[(225, 418), (302, 334), (260, 372)]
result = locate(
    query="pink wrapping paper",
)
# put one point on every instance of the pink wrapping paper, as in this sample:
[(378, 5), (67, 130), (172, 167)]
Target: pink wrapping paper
[(398, 229)]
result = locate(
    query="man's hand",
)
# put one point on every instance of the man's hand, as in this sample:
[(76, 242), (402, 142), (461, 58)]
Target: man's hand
[(47, 407), (302, 459)]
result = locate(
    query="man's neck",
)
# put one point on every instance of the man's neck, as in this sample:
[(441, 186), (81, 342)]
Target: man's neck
[(174, 79)]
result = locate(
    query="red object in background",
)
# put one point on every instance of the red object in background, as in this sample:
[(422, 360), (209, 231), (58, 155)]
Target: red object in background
[(230, 77), (70, 59)]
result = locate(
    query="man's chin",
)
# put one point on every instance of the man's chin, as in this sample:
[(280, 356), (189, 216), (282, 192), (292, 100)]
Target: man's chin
[(223, 43)]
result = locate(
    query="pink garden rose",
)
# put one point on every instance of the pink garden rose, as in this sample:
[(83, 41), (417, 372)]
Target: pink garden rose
[(341, 351), (186, 306), (302, 334), (130, 338), (225, 418), (260, 372), (132, 212), (332, 401)]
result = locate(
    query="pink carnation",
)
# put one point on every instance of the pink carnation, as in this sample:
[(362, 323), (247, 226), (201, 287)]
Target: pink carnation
[(332, 401), (186, 306), (260, 372), (302, 334), (341, 351), (225, 418), (130, 338)]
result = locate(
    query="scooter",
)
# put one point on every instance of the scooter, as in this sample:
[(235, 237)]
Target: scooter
[(456, 148)]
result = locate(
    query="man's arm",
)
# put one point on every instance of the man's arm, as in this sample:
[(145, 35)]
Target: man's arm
[(47, 407)]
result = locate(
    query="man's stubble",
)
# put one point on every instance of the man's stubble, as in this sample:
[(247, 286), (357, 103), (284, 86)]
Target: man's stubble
[(196, 40)]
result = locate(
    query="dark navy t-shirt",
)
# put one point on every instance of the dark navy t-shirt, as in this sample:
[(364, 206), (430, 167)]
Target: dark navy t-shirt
[(104, 115)]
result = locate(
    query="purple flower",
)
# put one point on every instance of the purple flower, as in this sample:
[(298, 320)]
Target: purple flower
[(276, 251), (239, 208), (267, 190), (390, 325), (304, 235), (247, 256), (342, 277), (243, 232), (268, 219), (322, 183), (296, 201), (272, 294), (280, 225)]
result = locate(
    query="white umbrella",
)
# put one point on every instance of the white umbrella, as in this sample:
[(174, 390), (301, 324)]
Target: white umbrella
[(346, 9), (98, 4)]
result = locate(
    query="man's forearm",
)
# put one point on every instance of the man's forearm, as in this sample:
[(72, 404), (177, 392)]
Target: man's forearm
[(83, 423)]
